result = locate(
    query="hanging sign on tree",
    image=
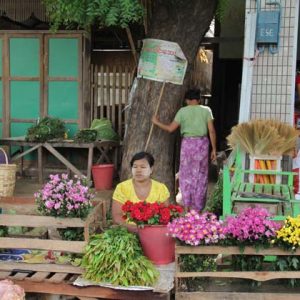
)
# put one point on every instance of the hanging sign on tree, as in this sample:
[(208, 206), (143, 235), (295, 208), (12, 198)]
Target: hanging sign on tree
[(162, 61)]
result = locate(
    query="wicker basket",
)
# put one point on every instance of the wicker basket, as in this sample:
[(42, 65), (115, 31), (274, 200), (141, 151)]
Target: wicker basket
[(7, 177)]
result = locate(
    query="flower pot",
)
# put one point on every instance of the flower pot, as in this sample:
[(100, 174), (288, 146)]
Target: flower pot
[(157, 246), (103, 176)]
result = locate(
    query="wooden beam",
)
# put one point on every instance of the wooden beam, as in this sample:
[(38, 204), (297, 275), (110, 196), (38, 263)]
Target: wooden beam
[(62, 159), (258, 276), (132, 46), (9, 266), (232, 250), (55, 245), (91, 291), (39, 221), (235, 296)]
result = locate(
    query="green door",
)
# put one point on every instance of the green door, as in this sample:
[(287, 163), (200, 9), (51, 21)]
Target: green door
[(63, 81), (1, 87), (24, 83)]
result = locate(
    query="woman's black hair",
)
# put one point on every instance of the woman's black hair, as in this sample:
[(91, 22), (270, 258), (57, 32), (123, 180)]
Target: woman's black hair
[(142, 155), (193, 94)]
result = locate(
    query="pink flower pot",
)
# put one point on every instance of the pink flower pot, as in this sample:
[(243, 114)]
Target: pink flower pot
[(157, 246)]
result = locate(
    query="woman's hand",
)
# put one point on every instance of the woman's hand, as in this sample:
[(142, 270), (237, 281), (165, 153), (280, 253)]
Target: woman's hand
[(155, 120), (213, 155)]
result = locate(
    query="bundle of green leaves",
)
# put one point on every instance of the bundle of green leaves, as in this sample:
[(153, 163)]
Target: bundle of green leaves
[(86, 136), (115, 257), (46, 129)]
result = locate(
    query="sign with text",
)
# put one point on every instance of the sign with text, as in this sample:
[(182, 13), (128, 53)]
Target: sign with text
[(162, 61)]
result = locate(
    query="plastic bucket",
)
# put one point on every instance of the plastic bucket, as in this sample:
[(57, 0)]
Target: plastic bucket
[(103, 176), (156, 244)]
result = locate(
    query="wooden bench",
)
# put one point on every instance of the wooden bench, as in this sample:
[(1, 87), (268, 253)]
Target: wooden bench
[(239, 193)]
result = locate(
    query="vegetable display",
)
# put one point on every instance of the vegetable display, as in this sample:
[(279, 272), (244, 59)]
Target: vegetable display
[(115, 257)]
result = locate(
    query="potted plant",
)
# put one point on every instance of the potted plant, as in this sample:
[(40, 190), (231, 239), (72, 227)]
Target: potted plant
[(64, 197), (152, 220)]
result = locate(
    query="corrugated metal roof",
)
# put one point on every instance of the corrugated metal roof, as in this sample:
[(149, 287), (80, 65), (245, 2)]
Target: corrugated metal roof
[(20, 10)]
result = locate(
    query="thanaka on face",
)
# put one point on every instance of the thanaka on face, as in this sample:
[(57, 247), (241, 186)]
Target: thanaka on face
[(141, 170)]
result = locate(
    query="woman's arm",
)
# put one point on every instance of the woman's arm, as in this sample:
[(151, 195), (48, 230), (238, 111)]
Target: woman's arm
[(167, 127), (117, 216), (213, 139)]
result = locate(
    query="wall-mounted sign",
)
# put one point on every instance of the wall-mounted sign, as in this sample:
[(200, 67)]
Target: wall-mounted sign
[(267, 27)]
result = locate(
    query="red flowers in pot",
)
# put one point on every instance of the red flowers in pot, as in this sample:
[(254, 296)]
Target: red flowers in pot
[(143, 213), (152, 220)]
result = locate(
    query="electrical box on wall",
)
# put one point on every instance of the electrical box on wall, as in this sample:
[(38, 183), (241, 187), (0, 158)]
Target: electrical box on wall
[(268, 27)]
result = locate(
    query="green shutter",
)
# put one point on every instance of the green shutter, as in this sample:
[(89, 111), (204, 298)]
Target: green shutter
[(25, 99), (63, 57), (1, 72), (1, 99), (24, 57), (63, 99)]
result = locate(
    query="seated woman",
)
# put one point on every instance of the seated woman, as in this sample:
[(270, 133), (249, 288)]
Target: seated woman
[(140, 188)]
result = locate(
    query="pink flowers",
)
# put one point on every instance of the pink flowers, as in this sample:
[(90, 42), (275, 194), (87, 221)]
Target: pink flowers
[(251, 226), (64, 197), (195, 229)]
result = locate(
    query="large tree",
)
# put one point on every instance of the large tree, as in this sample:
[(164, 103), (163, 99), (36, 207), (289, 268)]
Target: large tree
[(182, 21)]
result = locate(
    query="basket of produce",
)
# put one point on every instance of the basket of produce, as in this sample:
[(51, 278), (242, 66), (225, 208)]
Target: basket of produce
[(7, 177)]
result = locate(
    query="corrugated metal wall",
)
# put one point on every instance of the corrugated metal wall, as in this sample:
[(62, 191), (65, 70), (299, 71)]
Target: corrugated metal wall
[(20, 10)]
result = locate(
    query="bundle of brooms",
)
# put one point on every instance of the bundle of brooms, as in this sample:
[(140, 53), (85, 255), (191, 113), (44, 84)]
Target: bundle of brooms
[(264, 137)]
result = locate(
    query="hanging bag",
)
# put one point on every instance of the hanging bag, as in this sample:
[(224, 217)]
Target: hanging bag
[(7, 177)]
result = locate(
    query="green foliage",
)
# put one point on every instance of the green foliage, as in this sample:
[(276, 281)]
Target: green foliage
[(248, 263), (86, 136), (288, 263), (115, 257), (214, 203), (104, 130), (3, 231), (221, 9), (196, 263), (85, 13), (71, 234), (46, 129)]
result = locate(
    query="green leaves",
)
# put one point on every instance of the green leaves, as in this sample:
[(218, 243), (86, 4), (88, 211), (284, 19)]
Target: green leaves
[(85, 13), (115, 257)]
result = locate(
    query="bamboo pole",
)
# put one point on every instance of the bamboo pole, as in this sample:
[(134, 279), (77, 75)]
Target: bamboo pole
[(156, 111)]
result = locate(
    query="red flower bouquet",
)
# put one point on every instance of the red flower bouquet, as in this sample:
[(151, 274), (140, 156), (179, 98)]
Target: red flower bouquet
[(143, 213)]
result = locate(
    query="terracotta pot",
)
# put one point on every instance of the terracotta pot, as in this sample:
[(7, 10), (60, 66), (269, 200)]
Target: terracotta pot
[(157, 246)]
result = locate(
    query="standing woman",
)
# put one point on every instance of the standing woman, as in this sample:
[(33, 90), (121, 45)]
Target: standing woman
[(195, 122)]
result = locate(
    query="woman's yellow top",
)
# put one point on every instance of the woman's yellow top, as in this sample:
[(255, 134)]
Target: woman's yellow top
[(125, 191)]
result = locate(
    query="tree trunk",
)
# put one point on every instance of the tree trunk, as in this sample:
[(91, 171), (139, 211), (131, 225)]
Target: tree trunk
[(183, 22)]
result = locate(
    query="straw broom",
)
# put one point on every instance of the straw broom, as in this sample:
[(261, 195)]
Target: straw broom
[(264, 137)]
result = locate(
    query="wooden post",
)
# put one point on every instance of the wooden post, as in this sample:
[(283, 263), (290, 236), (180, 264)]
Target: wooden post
[(156, 111), (132, 46)]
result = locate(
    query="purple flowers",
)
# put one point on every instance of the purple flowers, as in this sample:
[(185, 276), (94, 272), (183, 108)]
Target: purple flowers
[(251, 226), (195, 229), (64, 197)]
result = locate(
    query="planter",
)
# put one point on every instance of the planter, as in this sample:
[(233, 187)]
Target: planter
[(230, 288), (103, 176), (157, 246), (95, 219)]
